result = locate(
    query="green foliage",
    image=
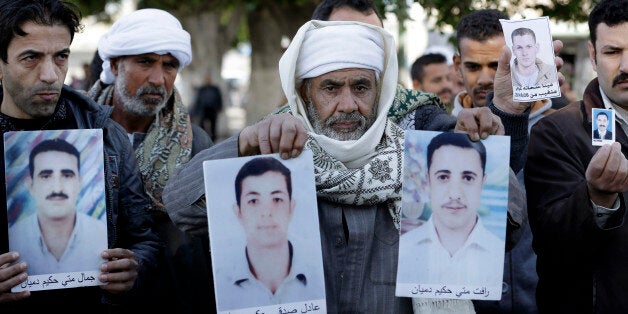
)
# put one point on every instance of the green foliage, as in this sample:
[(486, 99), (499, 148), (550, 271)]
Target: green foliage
[(94, 7), (449, 12)]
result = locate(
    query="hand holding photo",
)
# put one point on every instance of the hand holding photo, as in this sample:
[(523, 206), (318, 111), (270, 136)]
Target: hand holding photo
[(533, 71)]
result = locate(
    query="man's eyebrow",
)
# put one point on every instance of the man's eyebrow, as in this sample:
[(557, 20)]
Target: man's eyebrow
[(330, 82), (45, 171), (363, 81), (63, 51), (467, 172), (30, 52), (471, 63), (67, 171)]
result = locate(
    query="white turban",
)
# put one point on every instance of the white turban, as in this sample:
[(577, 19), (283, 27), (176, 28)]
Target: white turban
[(329, 49), (144, 31), (320, 47)]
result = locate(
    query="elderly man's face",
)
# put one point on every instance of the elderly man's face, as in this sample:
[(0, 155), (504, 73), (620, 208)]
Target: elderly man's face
[(341, 104), (145, 82), (35, 70)]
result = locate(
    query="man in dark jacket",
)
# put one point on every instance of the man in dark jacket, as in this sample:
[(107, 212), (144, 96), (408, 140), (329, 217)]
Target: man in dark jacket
[(34, 47), (577, 191)]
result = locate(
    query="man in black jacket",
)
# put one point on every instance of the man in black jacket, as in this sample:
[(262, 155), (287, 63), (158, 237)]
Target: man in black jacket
[(34, 49)]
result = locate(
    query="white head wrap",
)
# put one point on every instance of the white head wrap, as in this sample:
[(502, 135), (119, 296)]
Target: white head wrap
[(144, 31), (328, 49), (320, 47)]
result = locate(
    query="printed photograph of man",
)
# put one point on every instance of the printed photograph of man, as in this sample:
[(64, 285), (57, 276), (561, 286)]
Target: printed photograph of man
[(58, 236), (603, 126), (534, 75), (528, 69), (272, 266), (455, 246)]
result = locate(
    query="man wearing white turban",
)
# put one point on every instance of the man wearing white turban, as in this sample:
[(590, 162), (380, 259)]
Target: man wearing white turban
[(142, 54), (340, 80)]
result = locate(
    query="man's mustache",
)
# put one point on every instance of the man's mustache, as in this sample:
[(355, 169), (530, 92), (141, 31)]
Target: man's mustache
[(54, 195), (619, 78)]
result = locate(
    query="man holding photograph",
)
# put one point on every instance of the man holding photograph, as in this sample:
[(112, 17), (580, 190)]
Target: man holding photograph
[(577, 192), (453, 247), (271, 269), (35, 39), (528, 69), (57, 238)]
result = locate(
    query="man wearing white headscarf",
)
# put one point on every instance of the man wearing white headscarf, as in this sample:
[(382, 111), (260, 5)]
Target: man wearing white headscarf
[(340, 79), (142, 54)]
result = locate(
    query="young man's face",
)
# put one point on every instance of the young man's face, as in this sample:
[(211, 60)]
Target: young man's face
[(602, 122), (35, 70), (455, 187), (341, 104), (477, 63), (145, 82), (265, 209), (55, 184), (610, 61), (525, 49), (436, 80)]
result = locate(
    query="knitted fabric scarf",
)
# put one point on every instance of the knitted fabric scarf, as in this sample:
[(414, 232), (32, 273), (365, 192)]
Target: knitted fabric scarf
[(378, 181), (168, 142)]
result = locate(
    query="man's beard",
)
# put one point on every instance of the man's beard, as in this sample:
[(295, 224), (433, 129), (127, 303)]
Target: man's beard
[(134, 103), (325, 127)]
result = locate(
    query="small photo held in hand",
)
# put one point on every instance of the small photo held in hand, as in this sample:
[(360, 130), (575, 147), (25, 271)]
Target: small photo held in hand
[(602, 130), (532, 68)]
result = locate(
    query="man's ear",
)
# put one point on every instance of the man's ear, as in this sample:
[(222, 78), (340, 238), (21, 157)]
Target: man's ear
[(416, 85), (293, 205), (457, 62), (592, 56), (114, 63), (29, 183), (236, 210)]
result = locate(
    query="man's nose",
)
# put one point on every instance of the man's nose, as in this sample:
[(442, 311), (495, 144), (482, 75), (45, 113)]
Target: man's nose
[(156, 76), (346, 101), (455, 191), (47, 71), (486, 76)]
